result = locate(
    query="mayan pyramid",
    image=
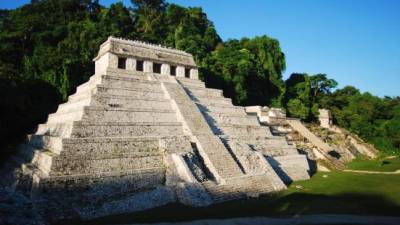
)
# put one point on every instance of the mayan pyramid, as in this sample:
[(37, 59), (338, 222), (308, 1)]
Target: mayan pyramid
[(144, 131)]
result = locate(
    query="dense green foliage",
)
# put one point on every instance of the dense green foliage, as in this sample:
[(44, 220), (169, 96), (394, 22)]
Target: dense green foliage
[(47, 48), (304, 92), (249, 71), (23, 104), (375, 119)]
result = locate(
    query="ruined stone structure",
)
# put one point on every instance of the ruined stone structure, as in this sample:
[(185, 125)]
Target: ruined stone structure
[(325, 118), (327, 142), (144, 132)]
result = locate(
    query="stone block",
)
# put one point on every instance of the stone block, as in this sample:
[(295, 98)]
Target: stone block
[(131, 64), (194, 74), (148, 66), (165, 69), (180, 71)]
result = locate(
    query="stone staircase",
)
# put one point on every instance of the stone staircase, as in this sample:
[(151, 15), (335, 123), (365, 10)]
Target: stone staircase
[(233, 125), (324, 148), (211, 149), (229, 121), (299, 127)]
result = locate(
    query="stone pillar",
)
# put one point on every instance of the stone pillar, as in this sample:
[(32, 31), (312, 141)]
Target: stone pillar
[(325, 119), (180, 71), (113, 61), (147, 66), (131, 64), (165, 69), (108, 60), (194, 73)]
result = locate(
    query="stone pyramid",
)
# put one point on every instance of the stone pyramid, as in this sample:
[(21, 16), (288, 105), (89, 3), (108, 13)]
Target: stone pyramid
[(144, 132)]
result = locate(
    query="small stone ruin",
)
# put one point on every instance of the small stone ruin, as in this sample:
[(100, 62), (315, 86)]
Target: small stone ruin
[(325, 118)]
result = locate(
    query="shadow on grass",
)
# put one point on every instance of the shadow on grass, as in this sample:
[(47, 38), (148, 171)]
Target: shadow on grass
[(270, 206)]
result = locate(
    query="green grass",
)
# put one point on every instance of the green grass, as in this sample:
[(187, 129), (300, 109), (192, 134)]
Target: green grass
[(328, 192), (338, 183), (382, 164)]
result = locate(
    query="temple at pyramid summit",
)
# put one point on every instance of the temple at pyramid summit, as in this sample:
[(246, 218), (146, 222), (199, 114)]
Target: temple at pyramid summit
[(143, 132)]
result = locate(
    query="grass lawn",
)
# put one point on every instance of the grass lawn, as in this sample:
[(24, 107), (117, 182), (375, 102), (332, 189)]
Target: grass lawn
[(326, 192), (380, 164), (338, 183)]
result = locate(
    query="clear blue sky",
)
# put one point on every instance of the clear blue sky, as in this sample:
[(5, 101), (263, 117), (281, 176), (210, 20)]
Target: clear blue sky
[(356, 42)]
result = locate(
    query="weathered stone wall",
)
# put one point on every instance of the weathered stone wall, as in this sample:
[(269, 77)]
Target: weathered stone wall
[(131, 52)]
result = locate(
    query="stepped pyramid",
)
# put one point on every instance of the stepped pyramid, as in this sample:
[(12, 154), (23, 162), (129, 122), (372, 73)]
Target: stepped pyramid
[(144, 132)]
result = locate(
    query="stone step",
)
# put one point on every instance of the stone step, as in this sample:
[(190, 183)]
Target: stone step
[(99, 147), (237, 110), (204, 93), (126, 74), (89, 85), (240, 187), (83, 85), (88, 189), (126, 98), (109, 147), (73, 106), (116, 204), (196, 85), (62, 117), (43, 159), (213, 101), (198, 88), (129, 82), (276, 151), (92, 113), (129, 79), (217, 118), (55, 129), (280, 140), (125, 129), (241, 130), (62, 167), (130, 102), (85, 185), (139, 93), (51, 143), (186, 82), (270, 146), (211, 148), (80, 96), (268, 150)]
